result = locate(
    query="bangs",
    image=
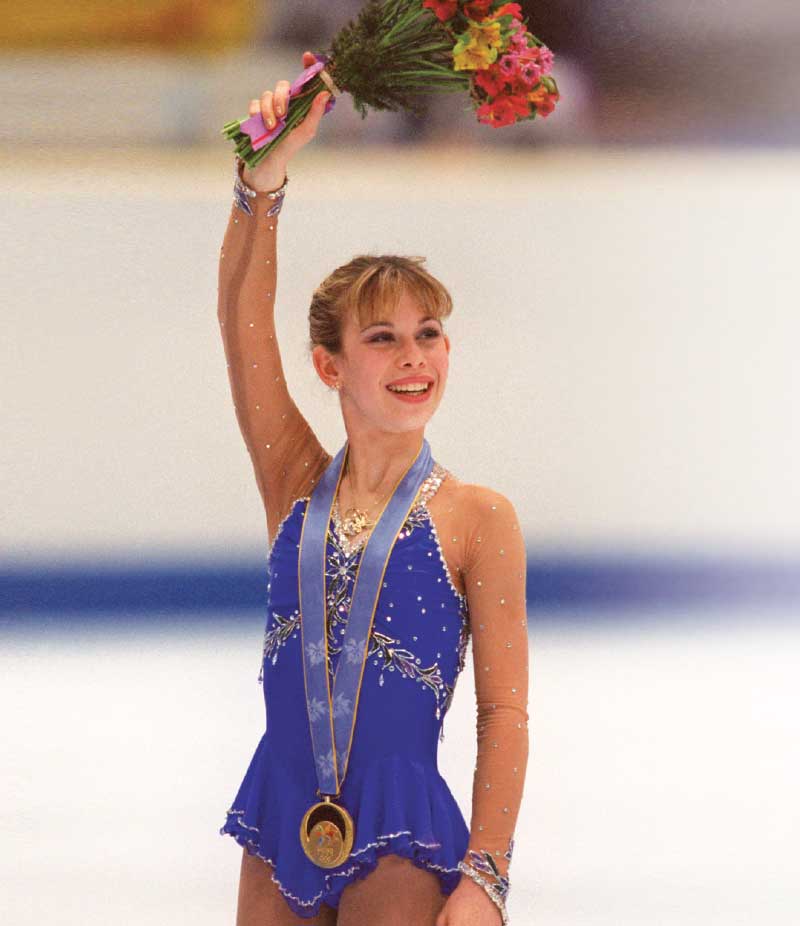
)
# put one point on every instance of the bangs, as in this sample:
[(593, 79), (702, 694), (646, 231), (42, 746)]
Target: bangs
[(375, 294)]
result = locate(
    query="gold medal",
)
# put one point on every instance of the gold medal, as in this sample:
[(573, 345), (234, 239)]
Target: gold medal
[(327, 833)]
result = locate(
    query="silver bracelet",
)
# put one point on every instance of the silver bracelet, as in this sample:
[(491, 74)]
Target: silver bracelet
[(242, 193), (491, 889)]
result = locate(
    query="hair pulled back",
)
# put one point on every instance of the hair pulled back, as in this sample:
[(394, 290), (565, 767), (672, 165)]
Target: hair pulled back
[(368, 288)]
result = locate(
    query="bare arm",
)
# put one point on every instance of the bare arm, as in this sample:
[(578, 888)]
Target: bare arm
[(287, 457)]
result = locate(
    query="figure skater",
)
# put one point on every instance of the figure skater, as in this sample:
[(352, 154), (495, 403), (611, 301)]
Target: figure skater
[(342, 814)]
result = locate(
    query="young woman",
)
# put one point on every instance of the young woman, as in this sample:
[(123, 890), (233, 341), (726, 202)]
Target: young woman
[(454, 570)]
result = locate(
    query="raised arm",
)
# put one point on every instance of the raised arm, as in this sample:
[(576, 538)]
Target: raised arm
[(494, 576), (286, 455)]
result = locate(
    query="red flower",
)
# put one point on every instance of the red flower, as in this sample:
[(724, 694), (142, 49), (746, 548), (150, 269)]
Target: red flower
[(519, 103), (545, 108), (495, 115), (543, 100), (477, 9), (517, 85), (490, 80), (509, 9), (503, 111), (444, 9)]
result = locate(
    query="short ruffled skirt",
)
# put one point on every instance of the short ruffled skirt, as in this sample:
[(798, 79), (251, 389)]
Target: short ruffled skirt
[(399, 805)]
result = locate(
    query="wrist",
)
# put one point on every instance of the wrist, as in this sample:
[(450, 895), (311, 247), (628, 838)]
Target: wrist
[(247, 198), (491, 888), (265, 178)]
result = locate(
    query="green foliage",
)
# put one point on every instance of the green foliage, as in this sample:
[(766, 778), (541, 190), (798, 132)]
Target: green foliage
[(391, 51)]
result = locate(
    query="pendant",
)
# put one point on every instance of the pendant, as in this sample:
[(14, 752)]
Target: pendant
[(354, 521), (327, 833)]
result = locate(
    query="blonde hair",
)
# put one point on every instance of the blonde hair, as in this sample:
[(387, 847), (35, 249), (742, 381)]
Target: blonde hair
[(368, 288)]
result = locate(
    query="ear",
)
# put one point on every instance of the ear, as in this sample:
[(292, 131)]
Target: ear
[(326, 365)]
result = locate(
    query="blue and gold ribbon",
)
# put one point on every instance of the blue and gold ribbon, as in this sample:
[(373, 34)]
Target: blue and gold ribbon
[(332, 715)]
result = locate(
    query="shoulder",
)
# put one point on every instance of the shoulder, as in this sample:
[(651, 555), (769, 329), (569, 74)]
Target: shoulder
[(489, 524), (482, 504), (476, 503)]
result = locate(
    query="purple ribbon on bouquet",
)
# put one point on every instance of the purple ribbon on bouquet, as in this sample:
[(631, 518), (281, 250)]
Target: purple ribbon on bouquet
[(254, 126)]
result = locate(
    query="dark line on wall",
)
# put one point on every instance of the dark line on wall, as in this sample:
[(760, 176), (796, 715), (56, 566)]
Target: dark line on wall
[(556, 582)]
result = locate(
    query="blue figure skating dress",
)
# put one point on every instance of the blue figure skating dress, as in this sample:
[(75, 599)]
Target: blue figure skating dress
[(399, 802)]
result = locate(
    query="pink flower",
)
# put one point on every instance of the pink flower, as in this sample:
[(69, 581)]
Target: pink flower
[(508, 64), (533, 63), (524, 65), (545, 59), (519, 39), (530, 72)]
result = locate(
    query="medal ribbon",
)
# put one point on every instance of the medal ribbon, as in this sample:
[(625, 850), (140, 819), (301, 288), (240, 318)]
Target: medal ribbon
[(332, 717)]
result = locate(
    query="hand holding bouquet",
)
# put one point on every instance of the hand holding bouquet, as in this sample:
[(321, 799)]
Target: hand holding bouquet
[(396, 49), (271, 109)]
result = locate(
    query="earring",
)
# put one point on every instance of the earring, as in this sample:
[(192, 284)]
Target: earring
[(337, 385)]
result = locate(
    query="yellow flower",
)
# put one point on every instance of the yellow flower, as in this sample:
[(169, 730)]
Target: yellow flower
[(478, 47)]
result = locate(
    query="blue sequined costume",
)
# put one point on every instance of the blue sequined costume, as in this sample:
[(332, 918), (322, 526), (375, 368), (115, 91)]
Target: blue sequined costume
[(399, 802)]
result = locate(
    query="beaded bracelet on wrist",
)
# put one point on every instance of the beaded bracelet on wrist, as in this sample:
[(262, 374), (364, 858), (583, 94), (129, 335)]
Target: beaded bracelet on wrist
[(480, 867), (496, 897), (242, 193)]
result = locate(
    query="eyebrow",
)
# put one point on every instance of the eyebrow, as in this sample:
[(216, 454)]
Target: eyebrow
[(428, 318)]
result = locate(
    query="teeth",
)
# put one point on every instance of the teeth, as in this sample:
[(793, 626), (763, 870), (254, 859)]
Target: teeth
[(414, 388)]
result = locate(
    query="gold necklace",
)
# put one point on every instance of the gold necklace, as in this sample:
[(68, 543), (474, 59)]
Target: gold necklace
[(356, 520)]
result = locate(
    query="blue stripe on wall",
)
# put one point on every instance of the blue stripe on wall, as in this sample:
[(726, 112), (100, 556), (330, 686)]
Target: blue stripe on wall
[(552, 582)]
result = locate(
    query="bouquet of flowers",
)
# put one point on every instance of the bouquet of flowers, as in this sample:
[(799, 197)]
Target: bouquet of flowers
[(396, 49)]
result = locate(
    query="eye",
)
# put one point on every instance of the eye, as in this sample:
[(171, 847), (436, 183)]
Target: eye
[(429, 334)]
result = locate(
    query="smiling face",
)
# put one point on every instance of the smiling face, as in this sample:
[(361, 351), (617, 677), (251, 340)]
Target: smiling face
[(404, 347)]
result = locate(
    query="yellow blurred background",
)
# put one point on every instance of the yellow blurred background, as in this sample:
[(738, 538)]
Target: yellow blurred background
[(169, 25)]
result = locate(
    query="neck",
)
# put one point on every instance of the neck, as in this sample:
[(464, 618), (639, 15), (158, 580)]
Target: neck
[(376, 462)]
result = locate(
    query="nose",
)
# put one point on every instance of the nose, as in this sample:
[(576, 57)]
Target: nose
[(413, 355)]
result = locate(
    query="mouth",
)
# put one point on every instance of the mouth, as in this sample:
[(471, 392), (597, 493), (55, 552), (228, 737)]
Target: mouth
[(412, 392)]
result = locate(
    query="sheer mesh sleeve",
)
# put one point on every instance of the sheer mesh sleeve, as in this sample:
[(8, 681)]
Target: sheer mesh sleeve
[(285, 453), (494, 576)]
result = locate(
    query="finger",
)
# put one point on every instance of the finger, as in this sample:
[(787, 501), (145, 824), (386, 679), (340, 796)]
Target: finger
[(281, 97), (308, 127), (267, 112)]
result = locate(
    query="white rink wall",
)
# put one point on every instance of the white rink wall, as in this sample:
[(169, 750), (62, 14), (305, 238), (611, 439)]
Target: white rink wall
[(623, 341)]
